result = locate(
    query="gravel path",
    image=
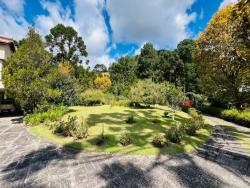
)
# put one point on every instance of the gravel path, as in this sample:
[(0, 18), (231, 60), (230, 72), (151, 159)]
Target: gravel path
[(27, 161)]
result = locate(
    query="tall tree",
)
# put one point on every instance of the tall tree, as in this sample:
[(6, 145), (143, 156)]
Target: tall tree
[(170, 67), (223, 57), (65, 44), (99, 68), (27, 73), (123, 75), (147, 61), (191, 77)]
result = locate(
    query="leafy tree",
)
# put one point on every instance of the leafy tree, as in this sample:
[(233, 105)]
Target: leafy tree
[(172, 95), (65, 44), (170, 67), (185, 49), (85, 77), (123, 75), (190, 79), (145, 92), (147, 61), (99, 68), (102, 82), (223, 57), (27, 73)]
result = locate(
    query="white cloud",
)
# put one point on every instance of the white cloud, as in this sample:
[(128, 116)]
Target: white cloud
[(226, 2), (163, 22), (15, 6), (12, 23)]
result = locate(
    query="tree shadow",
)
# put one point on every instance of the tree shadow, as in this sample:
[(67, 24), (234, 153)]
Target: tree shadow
[(125, 175)]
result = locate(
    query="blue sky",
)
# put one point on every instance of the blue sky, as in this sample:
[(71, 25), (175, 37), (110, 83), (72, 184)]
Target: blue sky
[(112, 28)]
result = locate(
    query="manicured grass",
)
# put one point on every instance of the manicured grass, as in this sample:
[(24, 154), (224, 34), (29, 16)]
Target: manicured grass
[(113, 119)]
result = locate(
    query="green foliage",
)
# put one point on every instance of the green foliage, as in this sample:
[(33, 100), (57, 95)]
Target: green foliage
[(237, 116), (125, 139), (125, 103), (222, 54), (145, 92), (72, 127), (147, 61), (175, 133), (123, 75), (158, 140), (169, 67), (131, 119), (93, 97), (27, 73), (166, 114), (65, 44), (52, 114), (172, 95)]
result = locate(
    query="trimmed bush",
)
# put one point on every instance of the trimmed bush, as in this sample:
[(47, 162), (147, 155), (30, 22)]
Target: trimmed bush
[(166, 114), (240, 117), (175, 133), (130, 119), (158, 140), (125, 139)]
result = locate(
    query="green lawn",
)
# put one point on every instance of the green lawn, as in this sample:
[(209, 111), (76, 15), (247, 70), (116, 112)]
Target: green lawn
[(113, 119)]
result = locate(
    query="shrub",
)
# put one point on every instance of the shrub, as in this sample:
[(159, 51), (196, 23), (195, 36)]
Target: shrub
[(166, 114), (92, 97), (175, 133), (186, 105), (125, 139), (197, 119), (52, 114), (125, 103), (241, 117), (72, 127), (102, 82), (190, 127), (156, 121), (130, 119), (158, 140)]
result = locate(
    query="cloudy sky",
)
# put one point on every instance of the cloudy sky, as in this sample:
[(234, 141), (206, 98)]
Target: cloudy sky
[(111, 28)]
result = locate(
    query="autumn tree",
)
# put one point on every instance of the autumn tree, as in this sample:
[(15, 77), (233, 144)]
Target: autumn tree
[(223, 56), (102, 82)]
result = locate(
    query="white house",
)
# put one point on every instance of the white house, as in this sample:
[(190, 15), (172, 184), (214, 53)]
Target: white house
[(7, 47)]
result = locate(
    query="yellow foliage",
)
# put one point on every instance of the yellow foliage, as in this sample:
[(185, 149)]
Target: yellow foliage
[(102, 82), (66, 69)]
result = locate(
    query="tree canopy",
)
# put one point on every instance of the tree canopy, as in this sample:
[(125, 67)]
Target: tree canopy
[(223, 56), (65, 44)]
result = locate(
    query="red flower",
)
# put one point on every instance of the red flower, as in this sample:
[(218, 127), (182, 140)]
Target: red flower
[(187, 104)]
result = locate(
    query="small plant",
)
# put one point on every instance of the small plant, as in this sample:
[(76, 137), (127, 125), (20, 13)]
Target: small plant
[(190, 127), (125, 139), (158, 141), (101, 138), (131, 119), (175, 133), (166, 114)]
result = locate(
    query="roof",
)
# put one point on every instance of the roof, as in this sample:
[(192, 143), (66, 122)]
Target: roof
[(8, 41)]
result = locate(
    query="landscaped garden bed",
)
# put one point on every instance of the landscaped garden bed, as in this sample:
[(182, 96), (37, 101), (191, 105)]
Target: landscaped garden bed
[(116, 129)]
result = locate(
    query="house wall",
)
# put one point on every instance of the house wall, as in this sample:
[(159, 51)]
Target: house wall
[(1, 67), (5, 51)]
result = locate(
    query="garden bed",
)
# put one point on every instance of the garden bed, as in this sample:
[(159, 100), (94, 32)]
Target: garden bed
[(111, 122)]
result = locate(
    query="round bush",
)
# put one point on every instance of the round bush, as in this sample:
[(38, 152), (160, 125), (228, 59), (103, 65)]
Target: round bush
[(175, 134), (158, 140), (125, 139)]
